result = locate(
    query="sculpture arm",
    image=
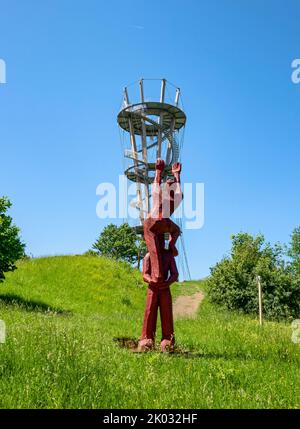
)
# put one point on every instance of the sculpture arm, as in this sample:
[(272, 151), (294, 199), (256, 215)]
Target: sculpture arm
[(174, 234), (147, 269), (173, 271), (176, 170), (156, 190), (159, 168)]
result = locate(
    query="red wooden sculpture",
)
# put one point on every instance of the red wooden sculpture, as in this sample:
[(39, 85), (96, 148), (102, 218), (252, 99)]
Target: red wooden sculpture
[(159, 266)]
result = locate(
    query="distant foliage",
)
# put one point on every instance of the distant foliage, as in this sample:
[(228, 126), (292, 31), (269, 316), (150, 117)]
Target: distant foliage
[(11, 247), (91, 253), (294, 251), (233, 280), (121, 243)]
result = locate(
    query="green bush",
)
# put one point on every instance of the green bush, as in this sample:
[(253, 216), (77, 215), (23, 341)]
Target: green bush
[(293, 252), (121, 243), (233, 280), (11, 247)]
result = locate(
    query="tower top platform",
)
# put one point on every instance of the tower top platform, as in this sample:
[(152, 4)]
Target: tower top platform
[(149, 111)]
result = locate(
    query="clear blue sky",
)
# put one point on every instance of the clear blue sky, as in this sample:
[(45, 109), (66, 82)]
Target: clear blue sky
[(67, 62)]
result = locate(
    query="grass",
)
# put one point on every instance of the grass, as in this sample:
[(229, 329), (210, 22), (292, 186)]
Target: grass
[(62, 314)]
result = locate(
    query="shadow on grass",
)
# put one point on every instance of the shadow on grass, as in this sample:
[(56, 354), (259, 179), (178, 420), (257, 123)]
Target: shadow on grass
[(127, 343), (16, 301), (132, 345), (211, 355)]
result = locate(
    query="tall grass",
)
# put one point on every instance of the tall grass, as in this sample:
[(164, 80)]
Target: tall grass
[(62, 314)]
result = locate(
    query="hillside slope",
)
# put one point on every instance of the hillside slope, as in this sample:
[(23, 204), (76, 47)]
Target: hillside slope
[(62, 314), (77, 284)]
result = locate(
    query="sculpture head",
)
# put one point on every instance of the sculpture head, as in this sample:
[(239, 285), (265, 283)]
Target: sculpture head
[(170, 182)]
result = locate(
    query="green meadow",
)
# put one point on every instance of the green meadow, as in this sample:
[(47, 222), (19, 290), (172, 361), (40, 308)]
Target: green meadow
[(63, 313)]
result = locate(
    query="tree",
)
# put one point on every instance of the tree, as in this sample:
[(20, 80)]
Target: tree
[(233, 279), (294, 250), (121, 243), (11, 247)]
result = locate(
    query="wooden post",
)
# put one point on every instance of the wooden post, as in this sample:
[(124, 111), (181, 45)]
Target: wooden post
[(258, 278), (2, 331)]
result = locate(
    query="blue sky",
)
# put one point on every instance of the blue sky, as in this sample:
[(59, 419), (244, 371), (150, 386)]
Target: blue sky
[(67, 62)]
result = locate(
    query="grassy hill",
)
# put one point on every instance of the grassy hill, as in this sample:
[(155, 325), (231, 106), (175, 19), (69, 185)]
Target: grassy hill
[(62, 314)]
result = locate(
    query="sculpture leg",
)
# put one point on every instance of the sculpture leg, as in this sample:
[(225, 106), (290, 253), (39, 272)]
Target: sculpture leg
[(166, 316), (150, 318), (155, 244)]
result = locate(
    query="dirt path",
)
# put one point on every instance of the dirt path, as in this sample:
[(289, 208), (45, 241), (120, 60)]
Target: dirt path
[(186, 306)]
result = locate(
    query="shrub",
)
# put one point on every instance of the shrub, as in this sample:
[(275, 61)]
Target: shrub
[(293, 251), (233, 281), (11, 247), (121, 243)]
